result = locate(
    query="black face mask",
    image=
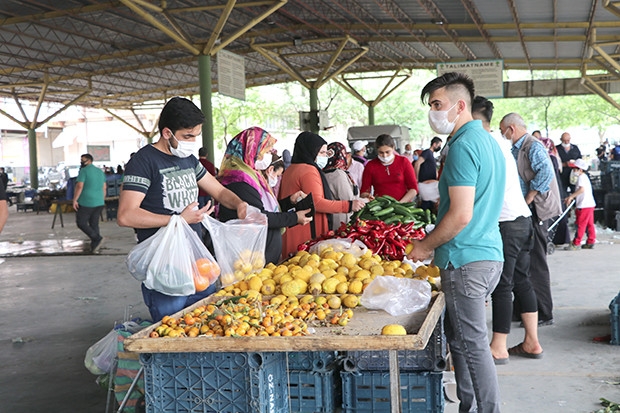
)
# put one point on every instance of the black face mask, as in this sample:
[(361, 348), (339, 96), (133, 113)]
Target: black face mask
[(82, 164)]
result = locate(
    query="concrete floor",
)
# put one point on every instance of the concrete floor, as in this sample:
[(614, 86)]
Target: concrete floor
[(57, 301)]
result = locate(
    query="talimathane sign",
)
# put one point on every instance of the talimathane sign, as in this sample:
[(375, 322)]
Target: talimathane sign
[(486, 74)]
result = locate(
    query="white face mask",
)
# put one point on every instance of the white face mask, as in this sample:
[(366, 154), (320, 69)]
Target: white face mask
[(566, 145), (273, 181), (262, 164), (184, 149), (386, 159), (321, 161), (438, 119)]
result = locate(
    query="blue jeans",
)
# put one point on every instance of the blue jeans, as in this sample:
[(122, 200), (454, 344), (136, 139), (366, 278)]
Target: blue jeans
[(466, 290), (161, 304)]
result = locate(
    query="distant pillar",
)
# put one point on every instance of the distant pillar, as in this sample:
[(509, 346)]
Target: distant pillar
[(34, 167), (314, 110), (371, 113), (204, 76)]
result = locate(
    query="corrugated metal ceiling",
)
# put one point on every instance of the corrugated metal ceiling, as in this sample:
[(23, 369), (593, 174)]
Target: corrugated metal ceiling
[(123, 53)]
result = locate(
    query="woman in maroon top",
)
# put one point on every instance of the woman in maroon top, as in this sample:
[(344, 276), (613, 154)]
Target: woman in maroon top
[(389, 174)]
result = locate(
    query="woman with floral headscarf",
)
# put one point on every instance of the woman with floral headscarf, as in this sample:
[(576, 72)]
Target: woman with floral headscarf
[(246, 155), (340, 183)]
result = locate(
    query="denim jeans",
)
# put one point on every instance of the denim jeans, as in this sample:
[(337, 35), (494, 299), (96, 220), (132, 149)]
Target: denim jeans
[(160, 304), (466, 289), (87, 219)]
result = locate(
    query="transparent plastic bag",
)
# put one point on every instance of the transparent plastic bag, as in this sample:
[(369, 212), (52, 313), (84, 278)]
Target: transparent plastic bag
[(239, 244), (355, 247), (174, 261), (100, 356), (397, 296)]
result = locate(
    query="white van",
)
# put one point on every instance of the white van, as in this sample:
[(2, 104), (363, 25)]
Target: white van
[(370, 134)]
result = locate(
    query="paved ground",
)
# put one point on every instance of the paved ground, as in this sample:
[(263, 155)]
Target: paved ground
[(57, 300)]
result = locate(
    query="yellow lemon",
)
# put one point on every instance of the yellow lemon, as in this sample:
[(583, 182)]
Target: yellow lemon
[(350, 301), (393, 330), (355, 286), (329, 285), (342, 287), (334, 302)]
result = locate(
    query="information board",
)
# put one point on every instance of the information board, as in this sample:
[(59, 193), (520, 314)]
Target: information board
[(231, 74), (486, 74)]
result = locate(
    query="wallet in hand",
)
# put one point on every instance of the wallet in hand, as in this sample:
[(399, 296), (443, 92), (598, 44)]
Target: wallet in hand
[(306, 203)]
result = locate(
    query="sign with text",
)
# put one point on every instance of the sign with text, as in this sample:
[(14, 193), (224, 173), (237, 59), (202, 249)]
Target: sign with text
[(231, 74), (99, 152), (486, 74)]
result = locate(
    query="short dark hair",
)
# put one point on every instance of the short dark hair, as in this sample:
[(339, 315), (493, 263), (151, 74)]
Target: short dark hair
[(87, 156), (385, 140), (202, 152), (483, 106), (451, 81), (180, 113), (536, 131), (435, 140)]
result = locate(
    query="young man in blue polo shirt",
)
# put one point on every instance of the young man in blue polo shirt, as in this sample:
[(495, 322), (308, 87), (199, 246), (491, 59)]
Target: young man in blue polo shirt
[(466, 241)]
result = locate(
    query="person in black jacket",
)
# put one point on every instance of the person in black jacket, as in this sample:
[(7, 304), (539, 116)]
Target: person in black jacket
[(246, 155)]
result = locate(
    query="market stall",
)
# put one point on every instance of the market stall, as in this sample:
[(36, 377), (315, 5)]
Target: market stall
[(294, 337)]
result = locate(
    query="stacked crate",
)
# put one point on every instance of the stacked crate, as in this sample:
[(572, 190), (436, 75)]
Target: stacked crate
[(614, 306), (215, 382), (366, 378), (314, 381)]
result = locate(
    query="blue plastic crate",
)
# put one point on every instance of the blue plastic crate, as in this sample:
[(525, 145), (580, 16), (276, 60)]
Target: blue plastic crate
[(431, 358), (369, 391), (614, 306), (314, 391), (215, 382), (311, 360)]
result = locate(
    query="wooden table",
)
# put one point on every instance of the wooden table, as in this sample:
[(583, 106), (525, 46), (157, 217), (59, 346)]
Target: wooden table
[(362, 333), (58, 210)]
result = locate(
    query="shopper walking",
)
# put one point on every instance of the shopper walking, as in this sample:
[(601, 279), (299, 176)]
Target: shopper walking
[(541, 192), (585, 203), (89, 200)]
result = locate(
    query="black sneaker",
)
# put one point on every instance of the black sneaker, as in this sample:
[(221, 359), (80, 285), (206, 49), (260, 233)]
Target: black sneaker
[(96, 245), (587, 246)]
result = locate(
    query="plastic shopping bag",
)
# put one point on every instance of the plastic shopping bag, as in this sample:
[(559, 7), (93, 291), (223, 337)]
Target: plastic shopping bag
[(239, 244), (355, 247), (397, 296), (174, 261), (101, 355)]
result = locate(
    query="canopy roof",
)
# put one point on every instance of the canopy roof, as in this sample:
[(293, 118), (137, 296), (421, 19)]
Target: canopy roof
[(117, 54)]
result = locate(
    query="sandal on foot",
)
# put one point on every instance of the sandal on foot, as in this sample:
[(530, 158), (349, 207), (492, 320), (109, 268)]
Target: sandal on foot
[(519, 351), (501, 362)]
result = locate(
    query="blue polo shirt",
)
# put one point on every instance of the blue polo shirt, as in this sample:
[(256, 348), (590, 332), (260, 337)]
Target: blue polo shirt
[(475, 159)]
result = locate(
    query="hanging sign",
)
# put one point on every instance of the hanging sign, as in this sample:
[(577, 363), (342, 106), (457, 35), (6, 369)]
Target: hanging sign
[(486, 74), (231, 74)]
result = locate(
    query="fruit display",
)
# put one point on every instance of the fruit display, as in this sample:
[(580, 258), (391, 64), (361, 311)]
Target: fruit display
[(285, 299), (389, 241), (389, 210)]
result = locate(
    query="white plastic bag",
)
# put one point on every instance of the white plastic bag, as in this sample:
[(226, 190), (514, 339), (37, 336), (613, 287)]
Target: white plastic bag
[(101, 355), (397, 296), (355, 247), (167, 262), (239, 244)]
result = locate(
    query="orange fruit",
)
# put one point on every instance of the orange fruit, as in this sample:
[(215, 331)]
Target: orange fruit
[(208, 271)]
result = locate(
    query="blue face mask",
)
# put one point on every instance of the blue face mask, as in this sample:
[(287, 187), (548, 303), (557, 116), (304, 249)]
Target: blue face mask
[(321, 161)]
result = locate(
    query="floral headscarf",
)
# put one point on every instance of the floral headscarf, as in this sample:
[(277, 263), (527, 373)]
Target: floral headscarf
[(239, 161), (337, 157)]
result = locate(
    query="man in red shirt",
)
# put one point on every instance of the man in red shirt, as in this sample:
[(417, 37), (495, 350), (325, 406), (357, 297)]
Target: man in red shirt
[(203, 197)]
